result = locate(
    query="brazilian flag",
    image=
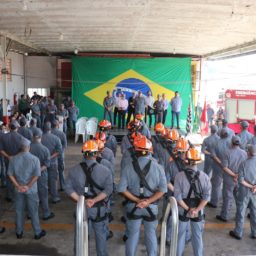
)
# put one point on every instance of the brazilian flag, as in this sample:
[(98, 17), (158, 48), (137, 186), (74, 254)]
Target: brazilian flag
[(93, 76)]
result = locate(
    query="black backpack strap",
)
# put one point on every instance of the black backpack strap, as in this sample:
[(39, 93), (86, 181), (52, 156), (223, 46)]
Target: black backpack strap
[(142, 174), (98, 159), (89, 180), (195, 184)]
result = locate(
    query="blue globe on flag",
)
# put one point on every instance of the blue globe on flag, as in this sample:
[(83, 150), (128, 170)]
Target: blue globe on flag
[(130, 85)]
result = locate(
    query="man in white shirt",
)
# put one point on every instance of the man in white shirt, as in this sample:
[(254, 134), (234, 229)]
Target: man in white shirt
[(149, 110), (165, 103), (122, 106)]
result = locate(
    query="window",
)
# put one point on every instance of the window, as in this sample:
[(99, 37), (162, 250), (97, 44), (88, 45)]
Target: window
[(40, 91)]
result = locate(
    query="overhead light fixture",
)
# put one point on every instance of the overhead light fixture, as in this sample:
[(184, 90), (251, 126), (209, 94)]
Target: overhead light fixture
[(26, 54), (174, 51), (25, 7), (76, 51), (61, 37)]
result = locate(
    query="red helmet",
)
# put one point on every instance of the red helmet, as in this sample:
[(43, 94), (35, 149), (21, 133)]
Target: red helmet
[(173, 135), (100, 136), (104, 125), (193, 154), (182, 145)]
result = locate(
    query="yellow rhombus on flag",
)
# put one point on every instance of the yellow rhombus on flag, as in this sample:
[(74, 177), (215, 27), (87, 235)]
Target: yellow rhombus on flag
[(97, 94)]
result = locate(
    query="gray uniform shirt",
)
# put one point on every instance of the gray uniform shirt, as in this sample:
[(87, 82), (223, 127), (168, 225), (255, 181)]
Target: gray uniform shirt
[(36, 111), (182, 186), (109, 155), (62, 136), (111, 143), (253, 140), (125, 144), (245, 137), (11, 143), (23, 167), (25, 132), (73, 113), (33, 129), (155, 178), (233, 158), (42, 152), (247, 172), (75, 181), (52, 142)]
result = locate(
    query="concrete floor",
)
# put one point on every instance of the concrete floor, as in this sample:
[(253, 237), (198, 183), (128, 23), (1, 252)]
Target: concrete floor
[(60, 230)]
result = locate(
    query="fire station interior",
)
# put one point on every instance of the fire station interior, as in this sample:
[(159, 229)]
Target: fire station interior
[(39, 39)]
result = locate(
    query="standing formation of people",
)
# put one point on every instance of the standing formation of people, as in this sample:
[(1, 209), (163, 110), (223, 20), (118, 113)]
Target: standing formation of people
[(116, 106)]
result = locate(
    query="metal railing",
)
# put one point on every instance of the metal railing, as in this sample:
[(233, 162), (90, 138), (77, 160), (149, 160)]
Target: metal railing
[(81, 229), (171, 206)]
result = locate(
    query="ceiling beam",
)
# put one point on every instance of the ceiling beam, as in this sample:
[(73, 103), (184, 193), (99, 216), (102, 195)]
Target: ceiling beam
[(234, 50), (23, 42)]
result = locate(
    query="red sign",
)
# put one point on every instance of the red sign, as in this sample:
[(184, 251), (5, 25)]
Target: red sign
[(241, 94)]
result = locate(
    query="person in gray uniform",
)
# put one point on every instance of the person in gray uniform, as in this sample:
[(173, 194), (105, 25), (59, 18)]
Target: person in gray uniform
[(140, 104), (176, 103), (244, 134), (208, 146), (192, 189), (108, 103), (231, 162), (225, 125), (23, 171), (64, 113), (253, 139), (10, 145), (246, 194), (36, 112), (142, 183), (53, 143), (43, 108), (43, 154), (218, 154), (94, 181), (33, 126), (73, 113), (141, 126), (61, 161), (24, 130), (51, 111)]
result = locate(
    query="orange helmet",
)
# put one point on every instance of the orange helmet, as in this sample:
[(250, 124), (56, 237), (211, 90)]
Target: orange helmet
[(104, 125), (182, 145), (139, 117), (173, 135), (100, 136), (159, 127), (141, 143), (90, 146), (193, 154), (100, 144)]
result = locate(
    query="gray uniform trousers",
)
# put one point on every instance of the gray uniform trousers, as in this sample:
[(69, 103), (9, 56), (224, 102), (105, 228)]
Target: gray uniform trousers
[(61, 167), (241, 206), (32, 202), (208, 162), (196, 237), (216, 180), (133, 231), (42, 186), (52, 181), (100, 230), (228, 195), (9, 185)]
